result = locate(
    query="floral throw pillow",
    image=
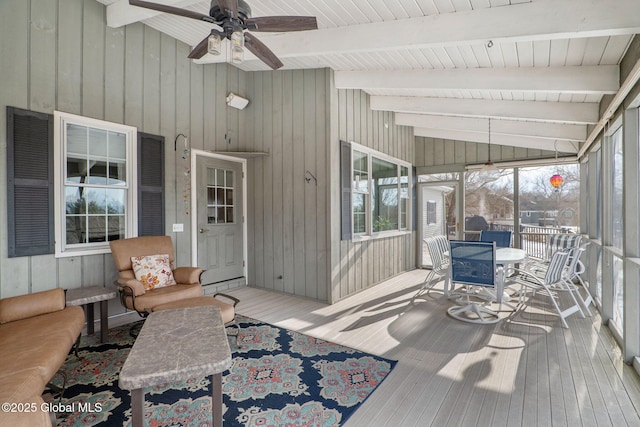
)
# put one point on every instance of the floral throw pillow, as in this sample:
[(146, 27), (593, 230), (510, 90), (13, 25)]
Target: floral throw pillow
[(154, 271)]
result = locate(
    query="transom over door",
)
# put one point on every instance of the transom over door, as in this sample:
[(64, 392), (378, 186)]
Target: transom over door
[(220, 219)]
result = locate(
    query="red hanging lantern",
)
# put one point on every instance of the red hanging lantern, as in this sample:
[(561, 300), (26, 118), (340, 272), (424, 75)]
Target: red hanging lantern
[(556, 181)]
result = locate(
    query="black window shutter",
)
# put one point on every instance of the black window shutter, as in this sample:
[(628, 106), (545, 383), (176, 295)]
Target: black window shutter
[(345, 183), (29, 183), (150, 185)]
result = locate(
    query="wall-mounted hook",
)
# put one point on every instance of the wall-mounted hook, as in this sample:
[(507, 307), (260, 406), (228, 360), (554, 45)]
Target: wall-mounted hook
[(308, 176), (175, 141)]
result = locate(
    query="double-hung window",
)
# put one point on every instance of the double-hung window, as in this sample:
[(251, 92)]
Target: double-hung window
[(380, 192), (95, 184)]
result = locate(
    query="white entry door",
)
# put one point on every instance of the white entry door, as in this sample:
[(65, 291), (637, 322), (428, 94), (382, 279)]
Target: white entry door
[(437, 213), (220, 219)]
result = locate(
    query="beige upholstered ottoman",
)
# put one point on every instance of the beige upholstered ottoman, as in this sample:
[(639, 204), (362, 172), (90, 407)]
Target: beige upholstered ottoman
[(227, 310)]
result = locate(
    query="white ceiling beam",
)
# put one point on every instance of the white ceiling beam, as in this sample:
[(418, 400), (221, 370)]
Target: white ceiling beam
[(508, 140), (525, 22), (553, 131), (561, 112), (600, 79), (122, 13)]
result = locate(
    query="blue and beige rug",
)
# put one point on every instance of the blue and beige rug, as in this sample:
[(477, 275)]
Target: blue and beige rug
[(278, 378)]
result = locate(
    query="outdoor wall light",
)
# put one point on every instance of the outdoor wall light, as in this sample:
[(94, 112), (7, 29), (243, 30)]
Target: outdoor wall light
[(236, 101)]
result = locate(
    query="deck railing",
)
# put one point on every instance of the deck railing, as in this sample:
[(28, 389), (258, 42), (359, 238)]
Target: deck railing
[(533, 238)]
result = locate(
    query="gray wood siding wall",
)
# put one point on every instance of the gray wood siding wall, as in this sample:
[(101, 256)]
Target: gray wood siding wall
[(288, 217), (64, 57), (440, 152), (358, 265), (60, 55)]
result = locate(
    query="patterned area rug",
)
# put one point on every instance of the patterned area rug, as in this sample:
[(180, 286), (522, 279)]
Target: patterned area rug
[(278, 378)]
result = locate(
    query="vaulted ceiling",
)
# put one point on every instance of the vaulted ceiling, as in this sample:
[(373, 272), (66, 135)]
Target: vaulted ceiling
[(536, 68)]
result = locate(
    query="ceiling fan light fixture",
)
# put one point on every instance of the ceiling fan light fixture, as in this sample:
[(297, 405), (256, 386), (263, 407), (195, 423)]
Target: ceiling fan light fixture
[(234, 17), (237, 46), (237, 55), (237, 39), (213, 44)]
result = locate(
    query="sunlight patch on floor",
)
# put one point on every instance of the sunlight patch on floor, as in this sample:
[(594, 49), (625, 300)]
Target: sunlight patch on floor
[(493, 370)]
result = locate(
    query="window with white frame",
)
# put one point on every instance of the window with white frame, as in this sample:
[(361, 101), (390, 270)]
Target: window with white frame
[(380, 192), (95, 184), (360, 191)]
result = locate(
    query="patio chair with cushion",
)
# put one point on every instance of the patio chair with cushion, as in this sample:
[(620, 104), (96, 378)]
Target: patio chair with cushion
[(560, 242), (552, 281), (556, 242), (149, 281)]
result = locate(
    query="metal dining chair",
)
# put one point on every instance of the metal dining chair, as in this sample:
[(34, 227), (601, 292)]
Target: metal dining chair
[(502, 238), (473, 264), (552, 281), (572, 272), (438, 246)]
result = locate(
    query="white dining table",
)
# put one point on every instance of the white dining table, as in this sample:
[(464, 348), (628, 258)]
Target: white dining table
[(504, 256)]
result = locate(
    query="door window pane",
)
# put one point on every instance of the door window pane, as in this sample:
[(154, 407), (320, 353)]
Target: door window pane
[(432, 214), (220, 196)]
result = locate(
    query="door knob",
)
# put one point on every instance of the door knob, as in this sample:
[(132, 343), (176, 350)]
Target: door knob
[(201, 230)]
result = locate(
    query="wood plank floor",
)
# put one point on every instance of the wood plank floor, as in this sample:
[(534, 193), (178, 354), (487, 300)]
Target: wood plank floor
[(523, 371)]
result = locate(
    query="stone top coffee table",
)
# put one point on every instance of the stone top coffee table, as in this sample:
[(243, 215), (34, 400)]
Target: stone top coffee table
[(175, 345)]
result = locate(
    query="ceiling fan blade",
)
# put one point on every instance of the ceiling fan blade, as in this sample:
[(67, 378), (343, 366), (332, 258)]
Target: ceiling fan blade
[(282, 23), (200, 50), (229, 5), (260, 50), (172, 10)]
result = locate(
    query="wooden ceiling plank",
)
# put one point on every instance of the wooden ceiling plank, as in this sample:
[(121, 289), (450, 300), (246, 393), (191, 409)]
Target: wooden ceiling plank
[(507, 140), (569, 132), (588, 79), (560, 112), (570, 19)]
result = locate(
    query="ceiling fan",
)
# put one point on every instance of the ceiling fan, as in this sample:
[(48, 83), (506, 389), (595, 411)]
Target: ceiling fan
[(234, 18)]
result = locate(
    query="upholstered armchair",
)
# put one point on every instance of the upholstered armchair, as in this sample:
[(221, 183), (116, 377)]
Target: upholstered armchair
[(150, 282), (142, 297)]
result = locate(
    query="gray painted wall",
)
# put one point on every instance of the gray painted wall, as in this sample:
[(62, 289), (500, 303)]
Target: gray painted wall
[(60, 55), (63, 57), (288, 217), (294, 226), (356, 266)]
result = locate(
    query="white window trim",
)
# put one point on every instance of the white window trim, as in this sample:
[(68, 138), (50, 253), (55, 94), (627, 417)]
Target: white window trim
[(369, 234), (131, 221)]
